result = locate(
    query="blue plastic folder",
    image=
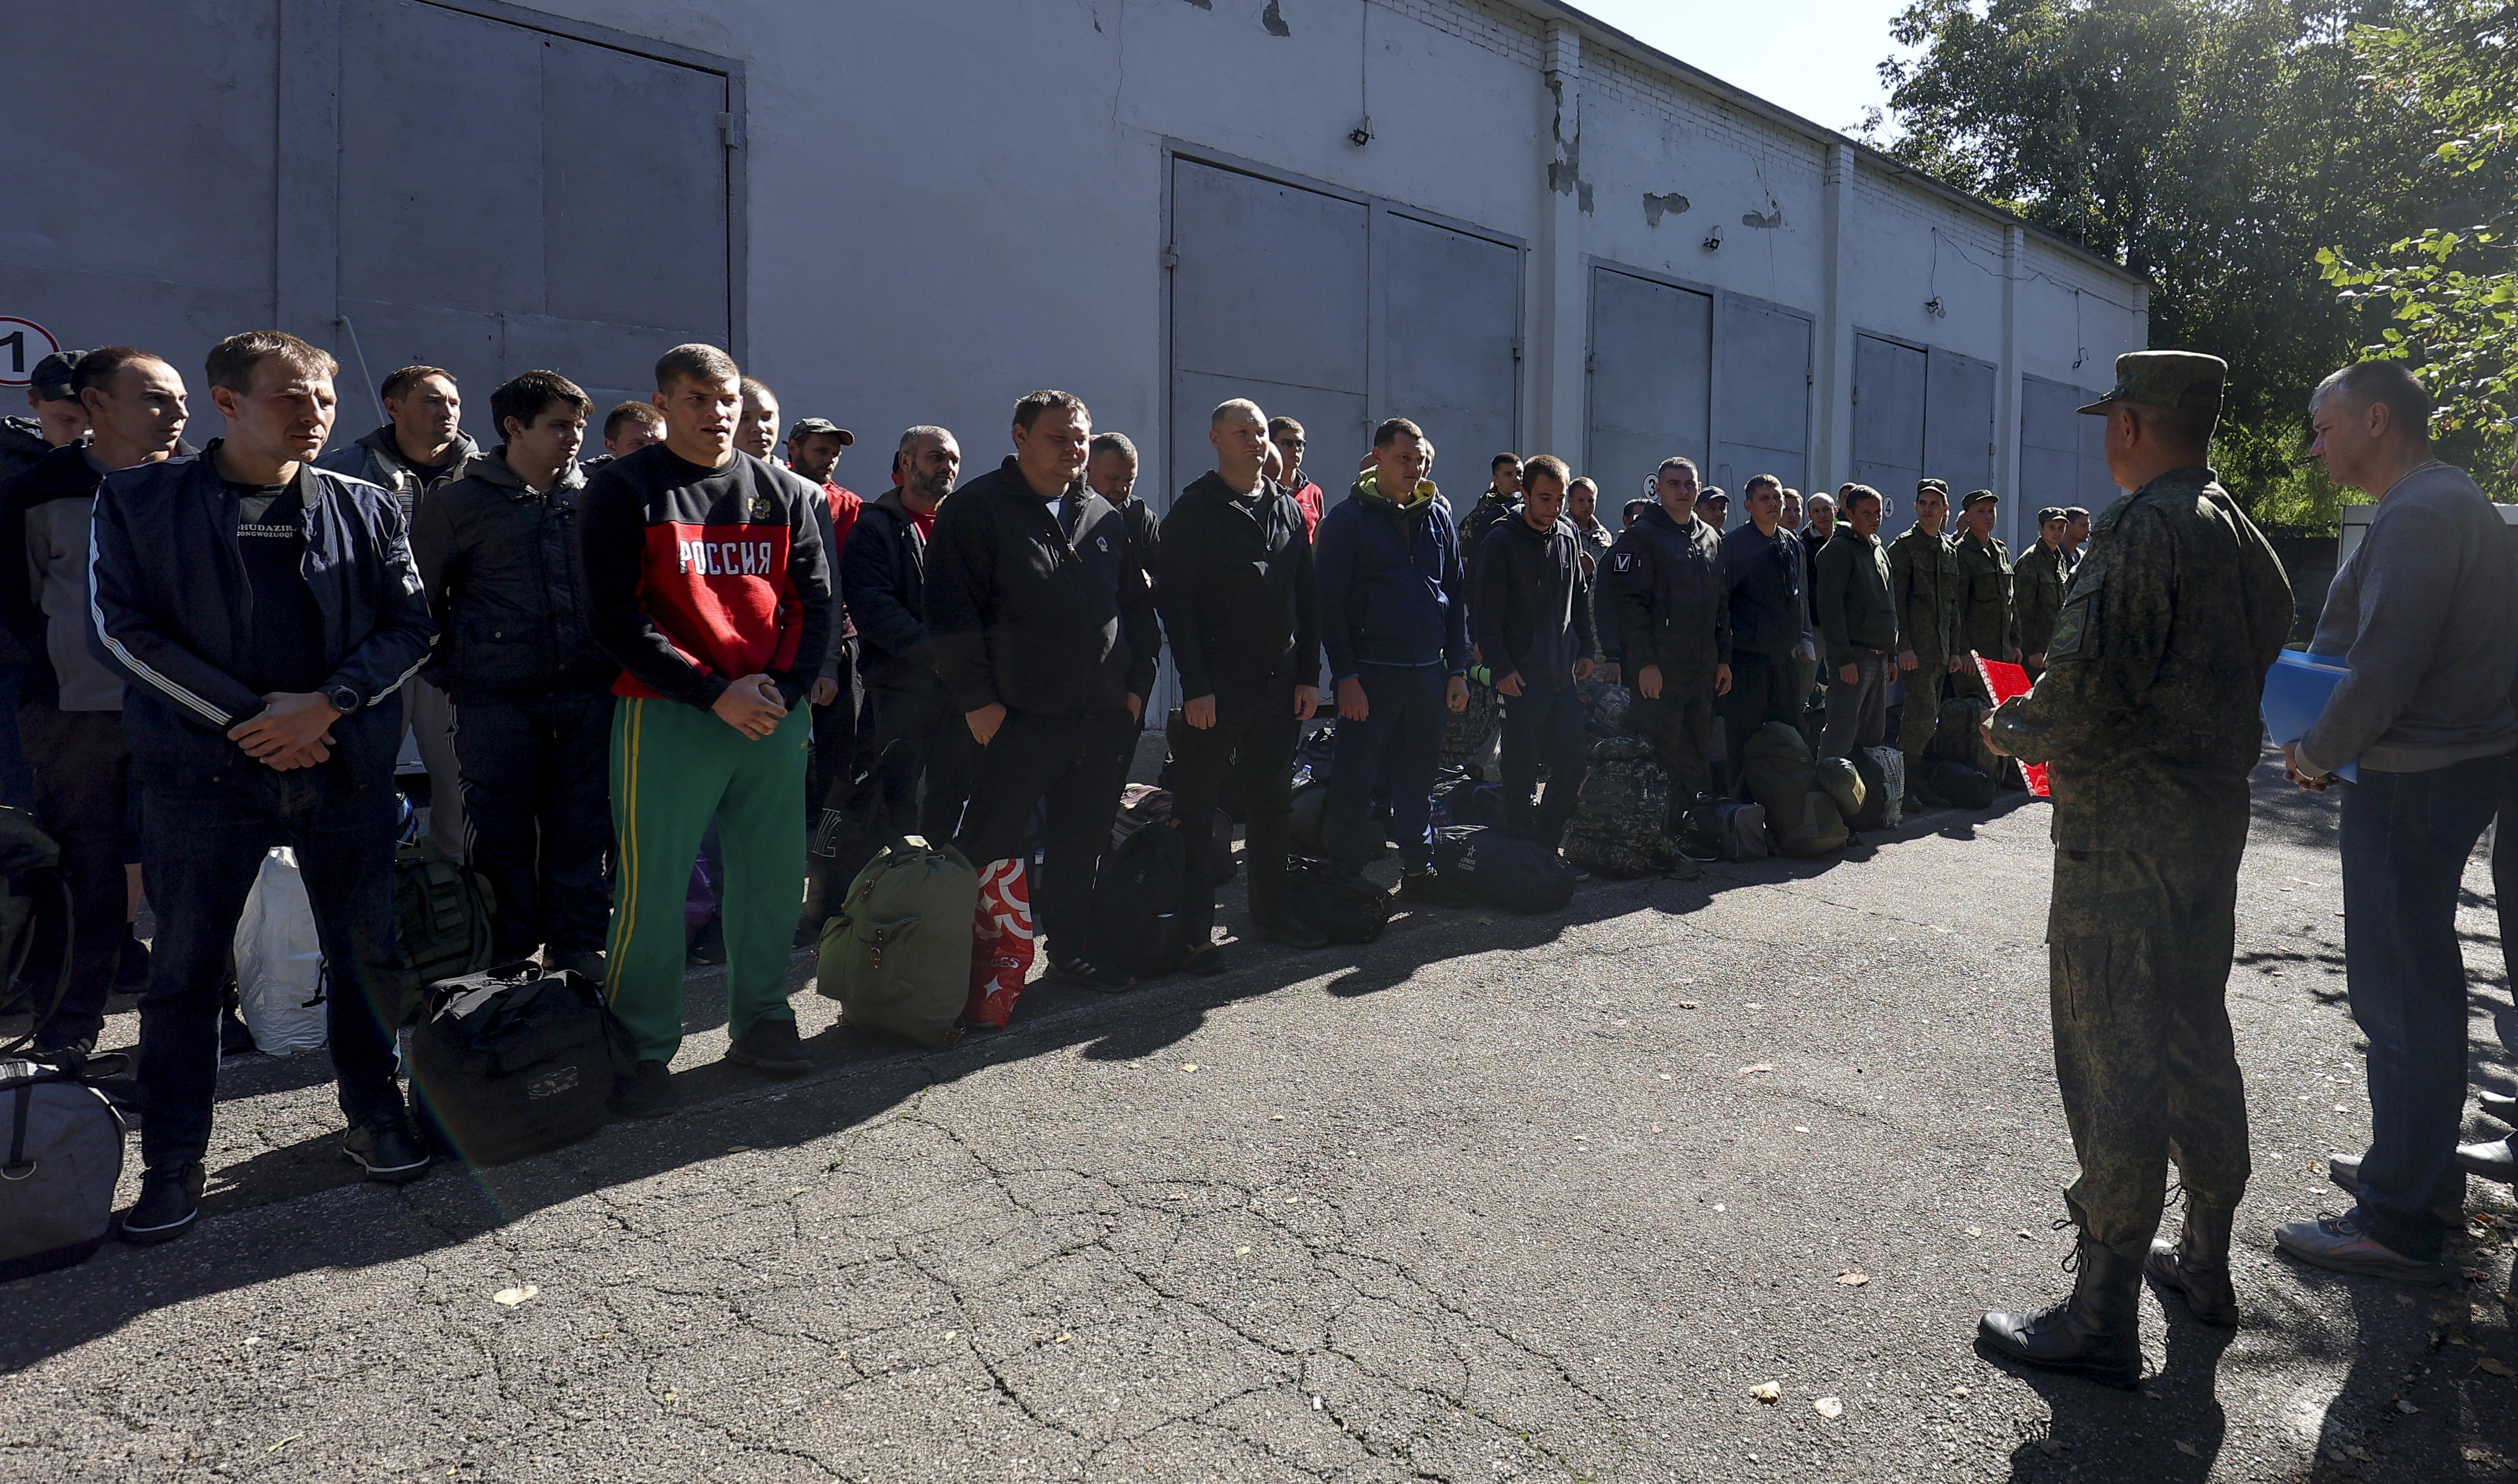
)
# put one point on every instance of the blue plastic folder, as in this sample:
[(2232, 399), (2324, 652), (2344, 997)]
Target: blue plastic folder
[(2296, 689)]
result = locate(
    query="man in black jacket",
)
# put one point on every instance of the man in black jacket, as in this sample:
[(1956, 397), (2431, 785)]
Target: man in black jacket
[(1674, 614), (1770, 629), (926, 757), (1045, 635), (498, 554), (1243, 611), (1531, 610), (263, 709)]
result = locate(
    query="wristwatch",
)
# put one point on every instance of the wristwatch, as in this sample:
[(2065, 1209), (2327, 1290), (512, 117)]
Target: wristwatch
[(344, 698)]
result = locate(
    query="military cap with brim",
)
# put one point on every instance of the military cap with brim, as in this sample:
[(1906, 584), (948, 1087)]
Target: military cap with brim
[(1978, 497), (2186, 380), (2052, 513), (1944, 485), (51, 381), (807, 427)]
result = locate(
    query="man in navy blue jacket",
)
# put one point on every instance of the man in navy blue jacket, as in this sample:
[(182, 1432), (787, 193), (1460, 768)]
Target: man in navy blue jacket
[(1534, 622), (265, 615), (1393, 618)]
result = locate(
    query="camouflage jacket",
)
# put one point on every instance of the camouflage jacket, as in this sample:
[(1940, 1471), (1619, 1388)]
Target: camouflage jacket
[(1924, 584), (1985, 603), (2147, 710), (2037, 582)]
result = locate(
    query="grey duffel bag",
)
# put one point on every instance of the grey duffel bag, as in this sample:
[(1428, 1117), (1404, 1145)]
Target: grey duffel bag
[(61, 1154)]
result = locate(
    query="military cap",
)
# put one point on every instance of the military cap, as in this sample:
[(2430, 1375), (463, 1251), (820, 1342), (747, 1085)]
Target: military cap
[(51, 381), (2186, 380), (806, 427), (2053, 513), (1944, 485), (1977, 497), (2070, 511)]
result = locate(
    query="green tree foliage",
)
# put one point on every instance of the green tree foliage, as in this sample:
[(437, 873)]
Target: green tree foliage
[(2216, 148)]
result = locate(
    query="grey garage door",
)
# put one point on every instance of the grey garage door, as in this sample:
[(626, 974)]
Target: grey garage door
[(1888, 418), (1269, 298), (1450, 317), (1958, 422), (1762, 396), (514, 199), (151, 226), (2063, 455), (1650, 384)]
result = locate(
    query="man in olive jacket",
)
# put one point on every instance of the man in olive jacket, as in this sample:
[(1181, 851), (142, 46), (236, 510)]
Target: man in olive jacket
[(2037, 583), (1985, 625), (1859, 618), (1925, 583)]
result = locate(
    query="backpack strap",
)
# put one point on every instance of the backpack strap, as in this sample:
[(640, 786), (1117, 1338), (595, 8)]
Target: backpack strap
[(19, 1165)]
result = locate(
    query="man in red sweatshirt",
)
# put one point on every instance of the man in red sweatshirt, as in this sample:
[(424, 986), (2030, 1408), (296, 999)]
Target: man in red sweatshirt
[(707, 580)]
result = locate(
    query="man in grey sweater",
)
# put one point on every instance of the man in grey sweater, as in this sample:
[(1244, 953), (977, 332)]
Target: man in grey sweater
[(2425, 614)]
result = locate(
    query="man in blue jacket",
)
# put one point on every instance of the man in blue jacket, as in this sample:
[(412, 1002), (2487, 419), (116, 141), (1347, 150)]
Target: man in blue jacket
[(266, 614), (1393, 618)]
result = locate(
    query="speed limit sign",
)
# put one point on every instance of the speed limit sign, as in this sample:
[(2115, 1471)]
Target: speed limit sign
[(23, 344)]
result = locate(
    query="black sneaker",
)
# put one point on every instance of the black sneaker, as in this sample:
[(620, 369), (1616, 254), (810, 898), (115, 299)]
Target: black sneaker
[(770, 1046), (1427, 889), (170, 1199), (388, 1149), (1090, 975), (1290, 930), (648, 1093)]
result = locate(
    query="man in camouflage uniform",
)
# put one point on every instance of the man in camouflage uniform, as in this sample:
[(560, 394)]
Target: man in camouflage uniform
[(1986, 626), (2037, 588), (2148, 719), (1924, 581)]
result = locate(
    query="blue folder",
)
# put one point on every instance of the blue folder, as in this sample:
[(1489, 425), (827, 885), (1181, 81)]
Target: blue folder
[(2296, 690)]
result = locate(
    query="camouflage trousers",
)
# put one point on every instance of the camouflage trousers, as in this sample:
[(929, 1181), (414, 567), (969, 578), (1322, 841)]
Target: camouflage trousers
[(1921, 711), (2137, 950)]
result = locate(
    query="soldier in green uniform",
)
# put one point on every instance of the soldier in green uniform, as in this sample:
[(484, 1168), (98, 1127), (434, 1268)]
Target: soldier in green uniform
[(2037, 587), (1986, 626), (2147, 718), (1924, 584)]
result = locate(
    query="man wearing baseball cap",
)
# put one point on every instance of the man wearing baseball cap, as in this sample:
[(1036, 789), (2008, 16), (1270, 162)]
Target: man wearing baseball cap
[(2147, 718), (2037, 582)]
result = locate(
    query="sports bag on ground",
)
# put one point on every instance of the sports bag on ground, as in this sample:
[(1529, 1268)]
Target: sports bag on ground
[(896, 952), (1738, 831), (1839, 780), (1143, 804), (1821, 828), (441, 921), (1345, 909), (516, 1060), (60, 1154), (1884, 787), (1500, 870), (1957, 785), (1621, 823), (1781, 773), (1136, 920)]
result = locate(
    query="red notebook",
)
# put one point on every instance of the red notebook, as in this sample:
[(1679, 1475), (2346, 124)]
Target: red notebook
[(2004, 681)]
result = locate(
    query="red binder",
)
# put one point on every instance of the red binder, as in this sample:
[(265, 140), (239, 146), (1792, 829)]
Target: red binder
[(2002, 682)]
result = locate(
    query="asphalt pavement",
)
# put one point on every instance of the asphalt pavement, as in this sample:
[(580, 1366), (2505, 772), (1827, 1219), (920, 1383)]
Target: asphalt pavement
[(1496, 1198)]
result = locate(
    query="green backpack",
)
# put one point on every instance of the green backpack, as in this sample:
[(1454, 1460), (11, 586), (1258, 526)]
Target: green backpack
[(896, 952), (1621, 823), (441, 921)]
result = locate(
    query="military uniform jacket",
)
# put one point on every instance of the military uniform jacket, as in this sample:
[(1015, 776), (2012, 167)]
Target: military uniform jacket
[(1924, 584), (2147, 710), (2037, 584), (1985, 609)]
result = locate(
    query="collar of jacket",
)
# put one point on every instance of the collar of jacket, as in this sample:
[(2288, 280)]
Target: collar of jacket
[(492, 468), (1211, 485), (1419, 498), (1844, 533), (1661, 514), (381, 443), (1918, 530), (310, 487), (1519, 525)]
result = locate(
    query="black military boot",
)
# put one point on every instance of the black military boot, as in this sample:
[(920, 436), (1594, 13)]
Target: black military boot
[(2095, 1334), (2196, 1265)]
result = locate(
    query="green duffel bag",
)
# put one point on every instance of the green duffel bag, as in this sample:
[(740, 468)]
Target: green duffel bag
[(1842, 782), (1821, 831), (896, 954), (1780, 772)]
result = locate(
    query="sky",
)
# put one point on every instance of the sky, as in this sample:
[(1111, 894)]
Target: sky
[(1817, 58)]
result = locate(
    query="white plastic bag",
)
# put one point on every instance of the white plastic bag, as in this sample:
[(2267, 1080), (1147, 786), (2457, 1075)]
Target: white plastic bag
[(279, 962)]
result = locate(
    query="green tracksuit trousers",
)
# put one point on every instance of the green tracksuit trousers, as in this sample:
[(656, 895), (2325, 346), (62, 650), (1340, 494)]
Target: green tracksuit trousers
[(675, 767)]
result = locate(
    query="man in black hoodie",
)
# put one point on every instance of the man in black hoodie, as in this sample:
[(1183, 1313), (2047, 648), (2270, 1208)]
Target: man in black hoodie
[(1531, 611), (1045, 636), (1243, 611), (1674, 616), (924, 756), (1770, 627), (499, 559)]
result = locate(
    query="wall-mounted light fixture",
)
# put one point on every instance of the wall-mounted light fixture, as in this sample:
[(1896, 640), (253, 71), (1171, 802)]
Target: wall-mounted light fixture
[(1361, 133), (1932, 307), (1713, 240)]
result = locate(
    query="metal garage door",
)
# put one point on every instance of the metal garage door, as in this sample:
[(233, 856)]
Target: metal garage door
[(1887, 419), (2049, 446), (1650, 384), (1269, 298), (1760, 394), (149, 226), (1958, 422), (1450, 344), (514, 199), (2099, 487)]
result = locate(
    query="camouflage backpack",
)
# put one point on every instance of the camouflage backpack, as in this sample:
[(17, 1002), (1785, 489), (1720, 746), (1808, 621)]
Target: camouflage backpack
[(1621, 825)]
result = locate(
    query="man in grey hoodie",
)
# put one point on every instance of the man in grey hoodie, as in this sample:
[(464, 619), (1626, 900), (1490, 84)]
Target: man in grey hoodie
[(2425, 614)]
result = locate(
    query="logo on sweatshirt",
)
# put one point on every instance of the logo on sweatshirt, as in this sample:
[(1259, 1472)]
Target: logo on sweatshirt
[(727, 559)]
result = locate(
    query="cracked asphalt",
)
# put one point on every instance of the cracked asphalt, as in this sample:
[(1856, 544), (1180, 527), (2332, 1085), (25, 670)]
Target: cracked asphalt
[(1493, 1199)]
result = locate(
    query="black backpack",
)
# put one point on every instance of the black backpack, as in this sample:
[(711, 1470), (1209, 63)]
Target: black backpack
[(1501, 870), (441, 921), (1346, 908), (1137, 922), (1957, 785), (514, 1061)]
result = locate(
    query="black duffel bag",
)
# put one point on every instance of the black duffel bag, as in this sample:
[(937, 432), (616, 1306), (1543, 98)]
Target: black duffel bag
[(1957, 785), (1346, 908), (1136, 920), (516, 1060), (1503, 871)]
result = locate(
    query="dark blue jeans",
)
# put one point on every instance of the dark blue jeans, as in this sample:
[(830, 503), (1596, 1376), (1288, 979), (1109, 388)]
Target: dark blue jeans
[(1543, 726), (538, 800), (2405, 841), (1402, 741), (204, 839)]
